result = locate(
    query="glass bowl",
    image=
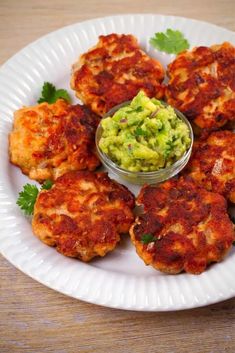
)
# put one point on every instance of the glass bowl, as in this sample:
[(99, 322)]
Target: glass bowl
[(141, 178)]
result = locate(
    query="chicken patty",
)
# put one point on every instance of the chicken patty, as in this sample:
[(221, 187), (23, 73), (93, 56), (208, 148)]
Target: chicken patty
[(83, 214), (114, 71), (202, 85), (212, 164), (50, 139), (183, 227)]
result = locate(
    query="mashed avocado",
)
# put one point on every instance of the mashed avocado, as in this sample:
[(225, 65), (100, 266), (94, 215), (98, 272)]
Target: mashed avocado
[(144, 136)]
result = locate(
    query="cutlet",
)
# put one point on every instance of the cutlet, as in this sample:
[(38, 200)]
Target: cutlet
[(50, 139), (83, 214), (212, 164), (114, 71), (183, 227), (202, 85)]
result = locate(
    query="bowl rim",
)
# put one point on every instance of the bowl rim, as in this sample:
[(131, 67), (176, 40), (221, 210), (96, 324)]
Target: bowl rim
[(115, 166)]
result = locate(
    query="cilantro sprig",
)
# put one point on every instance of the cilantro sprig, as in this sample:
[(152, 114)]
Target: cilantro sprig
[(47, 184), (139, 131), (28, 196), (171, 42), (50, 94), (147, 238)]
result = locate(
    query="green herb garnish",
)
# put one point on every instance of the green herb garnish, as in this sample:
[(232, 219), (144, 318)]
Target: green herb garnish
[(28, 196), (50, 94), (47, 184), (147, 238), (171, 42), (139, 132), (138, 109)]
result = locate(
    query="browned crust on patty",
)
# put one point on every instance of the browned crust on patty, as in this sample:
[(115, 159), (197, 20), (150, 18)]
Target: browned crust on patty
[(202, 85), (190, 226), (114, 71), (83, 214), (48, 140), (212, 164)]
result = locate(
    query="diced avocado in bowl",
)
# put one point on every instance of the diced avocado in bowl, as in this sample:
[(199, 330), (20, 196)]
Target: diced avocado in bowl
[(145, 135)]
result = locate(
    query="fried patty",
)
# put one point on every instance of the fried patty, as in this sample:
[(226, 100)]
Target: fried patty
[(83, 214), (202, 85), (50, 139), (212, 164), (114, 71), (183, 227)]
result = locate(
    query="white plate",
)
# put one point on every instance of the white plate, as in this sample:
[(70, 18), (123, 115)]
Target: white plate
[(121, 279)]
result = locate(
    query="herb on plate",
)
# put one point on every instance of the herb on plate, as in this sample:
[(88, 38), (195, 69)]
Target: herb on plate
[(28, 196), (50, 94), (171, 42)]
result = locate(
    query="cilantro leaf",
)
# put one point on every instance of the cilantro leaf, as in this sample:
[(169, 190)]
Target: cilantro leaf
[(48, 91), (147, 238), (50, 94), (139, 132), (47, 184), (138, 109), (27, 198), (62, 93), (171, 42)]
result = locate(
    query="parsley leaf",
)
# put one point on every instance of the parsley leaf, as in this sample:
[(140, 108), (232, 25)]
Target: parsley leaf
[(48, 91), (28, 196), (171, 42), (47, 185), (147, 238), (62, 93), (50, 94)]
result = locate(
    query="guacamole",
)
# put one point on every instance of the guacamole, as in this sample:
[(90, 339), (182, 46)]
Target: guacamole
[(144, 135)]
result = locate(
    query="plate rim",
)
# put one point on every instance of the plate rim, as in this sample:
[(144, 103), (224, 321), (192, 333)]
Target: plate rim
[(49, 284), (111, 16)]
